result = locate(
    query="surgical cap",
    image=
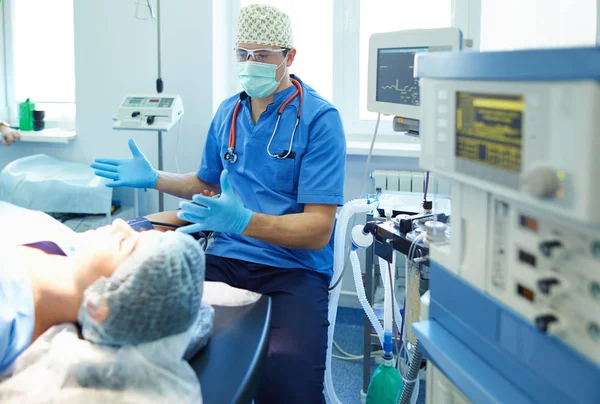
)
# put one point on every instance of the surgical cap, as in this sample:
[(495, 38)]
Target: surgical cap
[(260, 24), (149, 297)]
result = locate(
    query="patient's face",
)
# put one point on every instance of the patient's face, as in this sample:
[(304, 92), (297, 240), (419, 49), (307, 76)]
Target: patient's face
[(101, 251)]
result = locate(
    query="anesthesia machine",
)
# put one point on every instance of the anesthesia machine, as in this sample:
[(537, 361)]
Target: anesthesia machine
[(514, 313)]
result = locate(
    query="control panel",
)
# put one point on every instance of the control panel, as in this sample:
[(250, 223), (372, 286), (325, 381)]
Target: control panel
[(155, 112), (534, 142), (549, 272)]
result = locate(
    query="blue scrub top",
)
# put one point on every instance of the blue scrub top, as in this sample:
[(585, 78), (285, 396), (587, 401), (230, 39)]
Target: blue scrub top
[(16, 309), (278, 186)]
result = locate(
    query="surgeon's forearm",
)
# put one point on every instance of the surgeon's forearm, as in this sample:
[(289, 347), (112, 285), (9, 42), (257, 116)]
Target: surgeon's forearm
[(308, 230), (182, 185)]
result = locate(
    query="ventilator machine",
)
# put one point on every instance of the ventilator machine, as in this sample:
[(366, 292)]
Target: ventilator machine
[(514, 313), (392, 89)]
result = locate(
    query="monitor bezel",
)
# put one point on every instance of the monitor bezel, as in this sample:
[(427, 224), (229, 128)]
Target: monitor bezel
[(441, 39)]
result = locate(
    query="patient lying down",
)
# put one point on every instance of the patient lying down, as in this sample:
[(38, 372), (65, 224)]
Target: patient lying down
[(137, 297)]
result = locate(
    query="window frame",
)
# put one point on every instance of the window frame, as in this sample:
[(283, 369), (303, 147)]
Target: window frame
[(4, 112), (11, 109)]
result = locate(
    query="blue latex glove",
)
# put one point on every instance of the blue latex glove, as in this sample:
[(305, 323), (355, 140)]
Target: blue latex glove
[(224, 214), (136, 172)]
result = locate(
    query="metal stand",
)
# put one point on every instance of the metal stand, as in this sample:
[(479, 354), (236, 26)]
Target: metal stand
[(161, 195), (159, 89), (387, 240), (367, 327)]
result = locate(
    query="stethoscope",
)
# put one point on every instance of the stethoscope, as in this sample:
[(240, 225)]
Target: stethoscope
[(230, 154)]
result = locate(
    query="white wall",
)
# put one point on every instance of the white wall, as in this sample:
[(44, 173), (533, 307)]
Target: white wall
[(115, 53)]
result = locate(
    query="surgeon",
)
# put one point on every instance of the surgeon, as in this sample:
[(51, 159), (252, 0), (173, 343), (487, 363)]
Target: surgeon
[(9, 135), (276, 155)]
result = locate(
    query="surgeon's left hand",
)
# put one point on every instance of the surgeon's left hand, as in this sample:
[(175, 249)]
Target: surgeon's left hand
[(224, 214)]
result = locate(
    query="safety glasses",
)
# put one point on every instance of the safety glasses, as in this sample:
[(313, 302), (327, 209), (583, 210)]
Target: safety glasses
[(258, 55)]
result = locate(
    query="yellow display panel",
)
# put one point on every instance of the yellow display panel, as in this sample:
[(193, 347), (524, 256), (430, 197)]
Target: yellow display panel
[(489, 129)]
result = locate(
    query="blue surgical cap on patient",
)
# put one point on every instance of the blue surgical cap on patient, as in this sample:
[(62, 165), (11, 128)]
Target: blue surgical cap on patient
[(149, 297)]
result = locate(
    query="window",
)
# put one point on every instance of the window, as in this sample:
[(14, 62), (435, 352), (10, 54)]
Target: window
[(535, 24), (313, 38), (40, 57), (332, 38)]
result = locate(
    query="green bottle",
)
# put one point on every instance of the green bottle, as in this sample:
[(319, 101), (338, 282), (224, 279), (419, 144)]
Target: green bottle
[(26, 115), (386, 385)]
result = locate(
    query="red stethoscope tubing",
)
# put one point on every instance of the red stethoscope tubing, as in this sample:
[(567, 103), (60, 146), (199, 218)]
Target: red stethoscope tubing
[(232, 157)]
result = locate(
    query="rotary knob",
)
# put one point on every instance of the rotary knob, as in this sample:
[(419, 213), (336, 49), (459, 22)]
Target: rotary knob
[(544, 285), (542, 182), (543, 322), (551, 248)]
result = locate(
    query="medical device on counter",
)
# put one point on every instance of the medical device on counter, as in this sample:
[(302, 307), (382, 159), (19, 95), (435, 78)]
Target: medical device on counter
[(154, 112), (392, 88), (514, 314)]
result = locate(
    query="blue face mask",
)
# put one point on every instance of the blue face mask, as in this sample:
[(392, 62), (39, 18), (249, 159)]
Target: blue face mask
[(258, 79)]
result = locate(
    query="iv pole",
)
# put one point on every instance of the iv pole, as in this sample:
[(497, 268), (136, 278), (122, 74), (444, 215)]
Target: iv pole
[(159, 89)]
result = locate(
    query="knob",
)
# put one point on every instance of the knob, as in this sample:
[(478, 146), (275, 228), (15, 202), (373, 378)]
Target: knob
[(548, 247), (542, 322), (541, 182), (544, 285)]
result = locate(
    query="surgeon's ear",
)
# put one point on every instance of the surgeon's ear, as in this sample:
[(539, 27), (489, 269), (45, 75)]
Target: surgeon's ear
[(290, 56)]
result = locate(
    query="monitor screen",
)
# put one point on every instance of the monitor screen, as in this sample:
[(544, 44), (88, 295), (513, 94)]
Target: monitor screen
[(489, 129), (395, 81)]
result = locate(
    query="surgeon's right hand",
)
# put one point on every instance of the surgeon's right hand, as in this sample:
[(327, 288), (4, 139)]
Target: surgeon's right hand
[(136, 172)]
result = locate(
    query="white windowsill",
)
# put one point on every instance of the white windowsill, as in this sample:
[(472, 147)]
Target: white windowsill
[(53, 135), (388, 149)]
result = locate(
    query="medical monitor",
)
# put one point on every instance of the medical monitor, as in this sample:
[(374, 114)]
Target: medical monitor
[(392, 88)]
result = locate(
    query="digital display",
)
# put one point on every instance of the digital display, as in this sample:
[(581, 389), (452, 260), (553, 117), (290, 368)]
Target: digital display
[(149, 102), (527, 258), (526, 292), (529, 223), (166, 103), (395, 80), (489, 129)]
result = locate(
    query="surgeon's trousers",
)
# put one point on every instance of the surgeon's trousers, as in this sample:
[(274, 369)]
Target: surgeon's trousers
[(298, 342)]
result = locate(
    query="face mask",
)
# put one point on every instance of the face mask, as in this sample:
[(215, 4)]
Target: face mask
[(258, 79)]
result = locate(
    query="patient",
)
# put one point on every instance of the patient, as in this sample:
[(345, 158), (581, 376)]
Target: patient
[(42, 284)]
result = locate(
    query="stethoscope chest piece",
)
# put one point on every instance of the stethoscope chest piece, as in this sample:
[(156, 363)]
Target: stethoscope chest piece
[(230, 156)]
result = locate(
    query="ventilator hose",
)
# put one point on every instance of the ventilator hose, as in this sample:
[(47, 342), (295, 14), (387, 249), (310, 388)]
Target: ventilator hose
[(397, 316), (348, 210), (413, 374)]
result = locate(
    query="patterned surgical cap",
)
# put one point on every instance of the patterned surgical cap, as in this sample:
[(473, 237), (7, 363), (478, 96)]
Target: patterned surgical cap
[(260, 24)]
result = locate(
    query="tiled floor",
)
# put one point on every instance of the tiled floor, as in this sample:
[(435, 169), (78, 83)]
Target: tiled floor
[(348, 375)]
